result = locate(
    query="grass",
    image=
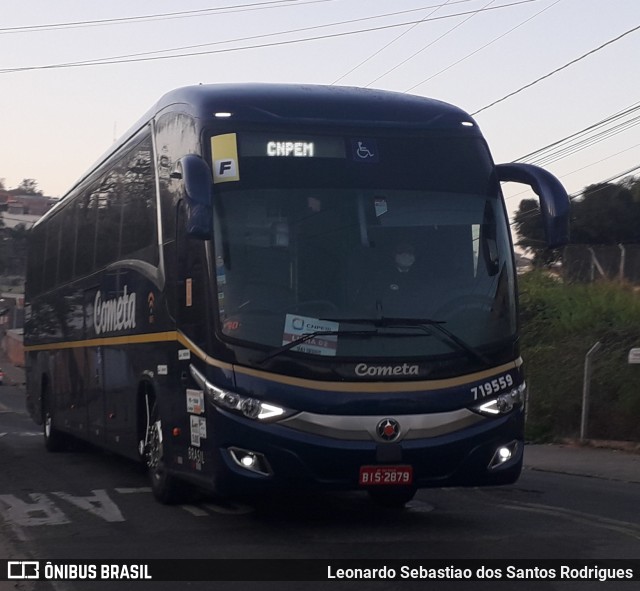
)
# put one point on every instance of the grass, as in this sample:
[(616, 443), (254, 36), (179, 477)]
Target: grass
[(559, 323)]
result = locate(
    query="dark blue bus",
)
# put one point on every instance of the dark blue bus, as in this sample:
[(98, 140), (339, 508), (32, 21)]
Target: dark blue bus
[(268, 287)]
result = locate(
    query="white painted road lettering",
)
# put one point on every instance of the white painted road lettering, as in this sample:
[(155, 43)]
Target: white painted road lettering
[(45, 508), (40, 511), (99, 504)]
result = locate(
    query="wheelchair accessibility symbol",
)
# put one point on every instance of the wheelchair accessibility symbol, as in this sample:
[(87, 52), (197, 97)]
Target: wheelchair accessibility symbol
[(364, 150)]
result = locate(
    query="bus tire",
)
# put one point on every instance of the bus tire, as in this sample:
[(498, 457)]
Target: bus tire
[(166, 488), (393, 497), (54, 440)]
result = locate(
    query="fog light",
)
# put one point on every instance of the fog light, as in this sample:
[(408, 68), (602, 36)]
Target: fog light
[(251, 460), (503, 454), (248, 461)]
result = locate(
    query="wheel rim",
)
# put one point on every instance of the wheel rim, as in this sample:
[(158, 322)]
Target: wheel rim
[(154, 450)]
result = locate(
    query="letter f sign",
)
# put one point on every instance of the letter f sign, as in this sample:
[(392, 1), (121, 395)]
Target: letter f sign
[(225, 170)]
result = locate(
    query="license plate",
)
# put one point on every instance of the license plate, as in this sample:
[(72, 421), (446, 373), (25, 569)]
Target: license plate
[(386, 475)]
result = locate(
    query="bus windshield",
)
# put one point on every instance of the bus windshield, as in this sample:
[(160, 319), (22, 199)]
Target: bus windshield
[(314, 235)]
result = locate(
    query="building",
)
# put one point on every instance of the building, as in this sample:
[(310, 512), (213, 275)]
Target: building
[(16, 212)]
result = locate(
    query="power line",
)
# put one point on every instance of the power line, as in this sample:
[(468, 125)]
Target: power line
[(494, 40), (516, 195), (371, 56), (601, 160), (431, 43), (540, 152), (572, 62), (134, 58), (253, 37), (587, 142), (556, 151), (159, 16)]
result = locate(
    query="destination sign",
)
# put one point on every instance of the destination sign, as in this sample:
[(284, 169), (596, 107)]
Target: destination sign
[(263, 145)]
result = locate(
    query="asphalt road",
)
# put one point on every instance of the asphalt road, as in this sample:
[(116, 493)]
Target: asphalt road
[(570, 503)]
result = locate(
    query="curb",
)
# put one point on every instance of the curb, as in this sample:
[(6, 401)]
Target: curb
[(632, 447)]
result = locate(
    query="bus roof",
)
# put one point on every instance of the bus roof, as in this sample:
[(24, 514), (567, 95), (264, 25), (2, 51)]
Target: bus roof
[(273, 103)]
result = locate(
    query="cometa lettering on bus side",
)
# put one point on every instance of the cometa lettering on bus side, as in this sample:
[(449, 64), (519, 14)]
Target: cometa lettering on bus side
[(115, 314)]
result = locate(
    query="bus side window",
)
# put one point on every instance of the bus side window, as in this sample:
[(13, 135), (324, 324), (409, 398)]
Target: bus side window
[(109, 205), (87, 220), (35, 259), (137, 194), (51, 253), (67, 243)]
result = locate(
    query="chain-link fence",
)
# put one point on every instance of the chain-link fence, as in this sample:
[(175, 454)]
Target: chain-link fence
[(587, 263)]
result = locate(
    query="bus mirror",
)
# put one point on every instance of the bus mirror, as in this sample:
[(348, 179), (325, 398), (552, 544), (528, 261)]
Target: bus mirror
[(196, 176), (554, 201)]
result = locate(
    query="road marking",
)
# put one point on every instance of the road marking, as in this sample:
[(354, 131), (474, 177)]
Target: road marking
[(229, 509), (226, 509), (40, 511), (22, 433), (196, 511), (98, 504), (623, 527), (43, 510), (419, 506)]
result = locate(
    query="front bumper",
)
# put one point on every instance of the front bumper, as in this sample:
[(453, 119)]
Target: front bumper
[(289, 458)]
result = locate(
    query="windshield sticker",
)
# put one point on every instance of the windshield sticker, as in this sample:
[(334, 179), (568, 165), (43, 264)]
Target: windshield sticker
[(296, 327), (224, 154), (380, 204)]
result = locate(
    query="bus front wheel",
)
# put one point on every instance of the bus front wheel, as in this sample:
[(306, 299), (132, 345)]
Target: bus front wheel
[(166, 488)]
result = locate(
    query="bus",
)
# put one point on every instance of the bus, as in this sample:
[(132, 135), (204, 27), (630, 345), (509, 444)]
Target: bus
[(269, 287)]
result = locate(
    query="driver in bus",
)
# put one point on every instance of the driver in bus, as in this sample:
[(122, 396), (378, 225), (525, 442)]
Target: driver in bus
[(395, 283)]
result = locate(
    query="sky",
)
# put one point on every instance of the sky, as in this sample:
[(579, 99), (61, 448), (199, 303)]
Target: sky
[(532, 72)]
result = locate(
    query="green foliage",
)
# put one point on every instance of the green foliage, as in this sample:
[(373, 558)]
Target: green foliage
[(560, 323), (605, 213)]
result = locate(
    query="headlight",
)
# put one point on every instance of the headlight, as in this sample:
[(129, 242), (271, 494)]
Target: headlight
[(249, 407), (504, 403)]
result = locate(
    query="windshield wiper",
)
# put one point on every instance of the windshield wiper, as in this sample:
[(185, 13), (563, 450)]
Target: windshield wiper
[(424, 324), (310, 335)]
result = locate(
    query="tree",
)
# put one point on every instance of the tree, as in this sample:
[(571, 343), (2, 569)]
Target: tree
[(528, 224), (28, 187), (605, 213)]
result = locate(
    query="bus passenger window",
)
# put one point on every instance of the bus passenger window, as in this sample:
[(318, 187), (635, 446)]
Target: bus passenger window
[(86, 216)]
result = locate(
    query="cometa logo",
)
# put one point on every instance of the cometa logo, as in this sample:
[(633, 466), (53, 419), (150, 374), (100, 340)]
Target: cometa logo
[(114, 314), (380, 371)]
